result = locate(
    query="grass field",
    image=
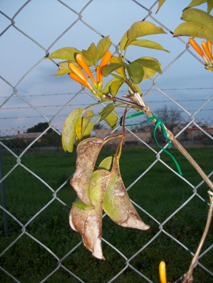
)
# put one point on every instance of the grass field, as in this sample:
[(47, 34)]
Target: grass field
[(159, 192)]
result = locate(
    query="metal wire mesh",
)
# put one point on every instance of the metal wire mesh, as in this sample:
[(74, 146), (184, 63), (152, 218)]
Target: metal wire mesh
[(22, 226)]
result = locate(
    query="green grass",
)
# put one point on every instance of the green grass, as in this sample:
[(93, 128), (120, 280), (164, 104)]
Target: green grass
[(160, 192)]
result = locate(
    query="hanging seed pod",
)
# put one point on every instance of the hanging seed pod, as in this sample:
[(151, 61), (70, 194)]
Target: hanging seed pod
[(87, 153)]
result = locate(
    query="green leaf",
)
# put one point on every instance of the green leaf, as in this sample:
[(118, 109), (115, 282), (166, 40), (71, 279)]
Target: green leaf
[(80, 204), (108, 116), (112, 119), (84, 127), (90, 55), (115, 86), (117, 204), (123, 42), (102, 47), (88, 130), (68, 133), (135, 72), (110, 68), (106, 89), (152, 69), (66, 53), (106, 111), (86, 119), (194, 30), (106, 164), (87, 153), (148, 44), (142, 28), (150, 64)]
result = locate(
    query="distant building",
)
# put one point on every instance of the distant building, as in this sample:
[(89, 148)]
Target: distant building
[(130, 139)]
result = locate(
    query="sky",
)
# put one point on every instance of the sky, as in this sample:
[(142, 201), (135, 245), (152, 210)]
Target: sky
[(27, 77)]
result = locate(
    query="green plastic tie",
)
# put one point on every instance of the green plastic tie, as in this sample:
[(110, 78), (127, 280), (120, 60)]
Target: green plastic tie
[(158, 123)]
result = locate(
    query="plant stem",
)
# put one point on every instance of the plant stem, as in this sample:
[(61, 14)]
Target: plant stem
[(171, 137), (136, 101), (188, 278)]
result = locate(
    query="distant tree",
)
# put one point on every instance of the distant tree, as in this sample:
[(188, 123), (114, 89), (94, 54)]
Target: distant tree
[(170, 116), (40, 127)]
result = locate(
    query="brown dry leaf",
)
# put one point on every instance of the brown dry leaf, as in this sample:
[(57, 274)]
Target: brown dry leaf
[(88, 220), (87, 153)]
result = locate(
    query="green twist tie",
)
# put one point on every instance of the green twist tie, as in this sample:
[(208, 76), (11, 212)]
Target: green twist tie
[(158, 123)]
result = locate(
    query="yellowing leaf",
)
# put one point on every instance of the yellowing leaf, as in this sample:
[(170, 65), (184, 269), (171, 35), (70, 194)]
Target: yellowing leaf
[(87, 153), (83, 123), (66, 53), (90, 55), (63, 68), (78, 129), (199, 2), (68, 133), (148, 44), (102, 47), (123, 42), (142, 28), (120, 71), (199, 24), (160, 4), (115, 86), (194, 29), (108, 116), (112, 119), (106, 89), (88, 130), (198, 16)]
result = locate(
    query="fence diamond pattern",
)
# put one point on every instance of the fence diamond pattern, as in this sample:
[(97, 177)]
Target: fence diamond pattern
[(58, 262)]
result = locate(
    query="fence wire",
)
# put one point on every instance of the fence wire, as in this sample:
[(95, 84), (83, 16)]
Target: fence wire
[(58, 263)]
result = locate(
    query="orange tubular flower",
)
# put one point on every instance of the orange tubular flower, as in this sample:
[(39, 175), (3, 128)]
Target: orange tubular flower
[(209, 45), (104, 62), (197, 48), (206, 50), (84, 66), (77, 79), (80, 75), (162, 272)]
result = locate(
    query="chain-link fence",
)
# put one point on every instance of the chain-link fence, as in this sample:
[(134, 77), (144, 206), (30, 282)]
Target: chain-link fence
[(37, 244)]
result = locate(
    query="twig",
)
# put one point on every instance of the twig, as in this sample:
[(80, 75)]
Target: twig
[(136, 101), (188, 278)]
